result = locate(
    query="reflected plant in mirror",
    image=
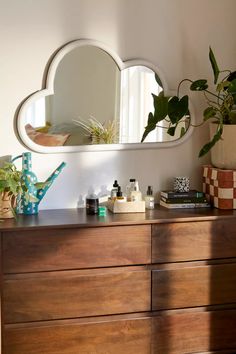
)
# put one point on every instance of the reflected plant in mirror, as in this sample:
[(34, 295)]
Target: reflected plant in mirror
[(170, 113), (99, 133), (92, 101)]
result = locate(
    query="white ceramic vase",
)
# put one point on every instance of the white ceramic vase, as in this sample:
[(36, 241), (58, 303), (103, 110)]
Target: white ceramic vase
[(223, 154)]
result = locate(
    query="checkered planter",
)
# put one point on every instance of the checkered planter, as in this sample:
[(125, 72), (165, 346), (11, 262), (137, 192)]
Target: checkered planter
[(220, 187)]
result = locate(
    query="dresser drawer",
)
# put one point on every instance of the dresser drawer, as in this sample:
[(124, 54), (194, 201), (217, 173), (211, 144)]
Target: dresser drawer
[(43, 250), (127, 336), (193, 286), (186, 241), (195, 332), (71, 294)]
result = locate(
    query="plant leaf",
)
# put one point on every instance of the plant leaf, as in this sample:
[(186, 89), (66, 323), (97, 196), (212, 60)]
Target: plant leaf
[(158, 80), (208, 113), (171, 130), (232, 86), (199, 85), (177, 108), (182, 132), (231, 76), (209, 145), (232, 117), (151, 126), (161, 107), (214, 65)]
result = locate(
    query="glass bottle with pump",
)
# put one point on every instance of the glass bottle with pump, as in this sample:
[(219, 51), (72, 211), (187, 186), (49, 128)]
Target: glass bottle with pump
[(149, 199), (135, 194), (130, 188)]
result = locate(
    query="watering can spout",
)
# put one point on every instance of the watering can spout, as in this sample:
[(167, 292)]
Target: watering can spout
[(49, 181)]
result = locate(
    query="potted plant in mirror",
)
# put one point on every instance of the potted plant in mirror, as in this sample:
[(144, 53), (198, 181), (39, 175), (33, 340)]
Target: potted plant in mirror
[(12, 186), (221, 109)]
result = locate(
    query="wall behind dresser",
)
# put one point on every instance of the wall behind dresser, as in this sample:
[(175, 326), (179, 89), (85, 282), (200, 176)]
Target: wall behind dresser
[(173, 34)]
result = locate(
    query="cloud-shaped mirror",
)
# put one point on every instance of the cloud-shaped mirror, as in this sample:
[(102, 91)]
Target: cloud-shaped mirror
[(94, 101)]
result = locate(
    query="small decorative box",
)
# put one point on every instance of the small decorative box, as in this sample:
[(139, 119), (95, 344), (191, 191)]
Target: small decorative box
[(126, 207), (220, 187)]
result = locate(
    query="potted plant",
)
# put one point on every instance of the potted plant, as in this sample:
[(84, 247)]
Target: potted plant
[(11, 186), (221, 107)]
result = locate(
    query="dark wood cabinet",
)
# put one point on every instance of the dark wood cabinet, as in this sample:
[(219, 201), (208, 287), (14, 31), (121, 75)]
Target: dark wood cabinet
[(159, 283)]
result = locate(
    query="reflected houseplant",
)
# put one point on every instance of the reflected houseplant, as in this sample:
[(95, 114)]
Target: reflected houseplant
[(221, 106), (99, 133)]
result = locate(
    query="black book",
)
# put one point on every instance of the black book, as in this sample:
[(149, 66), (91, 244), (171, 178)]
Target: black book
[(169, 194), (184, 200)]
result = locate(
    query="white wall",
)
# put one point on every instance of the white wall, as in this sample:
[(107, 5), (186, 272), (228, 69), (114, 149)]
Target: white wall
[(173, 34)]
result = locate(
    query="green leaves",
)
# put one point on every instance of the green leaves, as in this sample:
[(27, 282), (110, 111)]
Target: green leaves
[(177, 108), (150, 126), (171, 109), (199, 85), (214, 140), (214, 65), (232, 86), (161, 107), (220, 102), (209, 112)]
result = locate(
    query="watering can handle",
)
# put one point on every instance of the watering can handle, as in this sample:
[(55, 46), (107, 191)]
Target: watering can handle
[(15, 158)]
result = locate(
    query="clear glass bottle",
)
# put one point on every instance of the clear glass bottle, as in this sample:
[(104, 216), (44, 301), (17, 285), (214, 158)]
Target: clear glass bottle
[(130, 188), (135, 194), (149, 198)]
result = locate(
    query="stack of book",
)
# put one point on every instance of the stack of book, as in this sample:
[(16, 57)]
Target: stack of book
[(192, 199)]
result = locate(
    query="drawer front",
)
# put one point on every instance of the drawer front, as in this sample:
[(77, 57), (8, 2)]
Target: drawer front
[(44, 250), (199, 332), (194, 286), (114, 337), (193, 241), (55, 296)]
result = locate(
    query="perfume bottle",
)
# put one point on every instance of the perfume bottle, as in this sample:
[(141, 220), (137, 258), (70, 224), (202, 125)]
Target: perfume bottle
[(135, 194), (149, 199), (130, 188)]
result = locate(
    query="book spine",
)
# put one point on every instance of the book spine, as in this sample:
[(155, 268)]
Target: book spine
[(184, 200), (191, 194), (184, 205)]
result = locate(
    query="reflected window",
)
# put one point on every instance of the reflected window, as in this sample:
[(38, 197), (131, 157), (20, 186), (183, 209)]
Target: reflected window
[(137, 84)]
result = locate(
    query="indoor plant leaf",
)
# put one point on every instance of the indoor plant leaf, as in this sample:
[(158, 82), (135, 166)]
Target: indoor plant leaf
[(214, 65), (160, 106), (204, 150), (158, 80), (232, 86), (171, 130), (151, 126), (209, 112), (199, 85), (177, 108)]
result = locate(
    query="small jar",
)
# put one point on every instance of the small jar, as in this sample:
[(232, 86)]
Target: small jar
[(92, 204)]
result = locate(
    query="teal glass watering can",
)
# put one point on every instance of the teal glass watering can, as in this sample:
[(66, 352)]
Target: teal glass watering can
[(28, 202)]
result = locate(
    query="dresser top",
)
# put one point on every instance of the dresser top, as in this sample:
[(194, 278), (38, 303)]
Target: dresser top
[(70, 218)]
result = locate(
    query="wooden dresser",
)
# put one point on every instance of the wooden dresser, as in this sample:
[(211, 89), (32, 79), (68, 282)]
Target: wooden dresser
[(163, 282)]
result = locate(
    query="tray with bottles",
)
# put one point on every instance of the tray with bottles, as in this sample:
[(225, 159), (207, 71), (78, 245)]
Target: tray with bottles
[(117, 206)]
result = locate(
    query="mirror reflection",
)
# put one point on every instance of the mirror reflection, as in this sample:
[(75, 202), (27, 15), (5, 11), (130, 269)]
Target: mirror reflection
[(94, 102)]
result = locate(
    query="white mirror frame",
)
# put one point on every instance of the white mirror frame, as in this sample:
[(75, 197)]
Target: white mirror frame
[(49, 90)]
